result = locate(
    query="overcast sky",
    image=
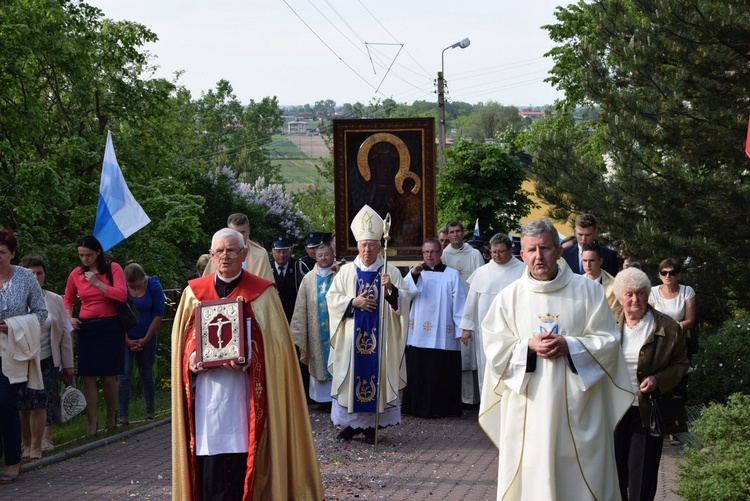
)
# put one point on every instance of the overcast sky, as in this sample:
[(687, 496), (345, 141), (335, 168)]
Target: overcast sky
[(304, 51)]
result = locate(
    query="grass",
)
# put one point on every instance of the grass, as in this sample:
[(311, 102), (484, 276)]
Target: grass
[(298, 169), (282, 147), (73, 433)]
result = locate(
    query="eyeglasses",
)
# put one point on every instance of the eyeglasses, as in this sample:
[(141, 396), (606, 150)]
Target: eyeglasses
[(230, 253), (671, 273)]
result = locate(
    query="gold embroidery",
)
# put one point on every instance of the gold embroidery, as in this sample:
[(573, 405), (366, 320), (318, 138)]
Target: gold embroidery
[(449, 329), (365, 389), (366, 342), (427, 326), (369, 288)]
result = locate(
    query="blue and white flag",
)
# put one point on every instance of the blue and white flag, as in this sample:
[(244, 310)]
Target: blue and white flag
[(118, 215), (476, 228)]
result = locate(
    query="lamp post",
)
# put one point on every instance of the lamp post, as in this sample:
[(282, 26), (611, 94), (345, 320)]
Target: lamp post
[(441, 99)]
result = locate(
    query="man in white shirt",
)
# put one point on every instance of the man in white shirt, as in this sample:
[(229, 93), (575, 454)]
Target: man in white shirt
[(433, 349), (465, 259), (484, 284)]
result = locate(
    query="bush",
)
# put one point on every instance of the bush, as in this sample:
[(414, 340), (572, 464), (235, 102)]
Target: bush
[(722, 364), (717, 465)]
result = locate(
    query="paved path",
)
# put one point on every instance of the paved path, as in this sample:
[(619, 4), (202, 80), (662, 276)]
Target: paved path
[(420, 459)]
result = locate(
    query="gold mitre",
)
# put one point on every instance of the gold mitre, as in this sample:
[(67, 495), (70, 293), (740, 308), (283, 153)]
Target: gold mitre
[(367, 225)]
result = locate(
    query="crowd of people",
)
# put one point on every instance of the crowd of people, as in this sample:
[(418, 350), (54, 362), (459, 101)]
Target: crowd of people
[(37, 330), (559, 350)]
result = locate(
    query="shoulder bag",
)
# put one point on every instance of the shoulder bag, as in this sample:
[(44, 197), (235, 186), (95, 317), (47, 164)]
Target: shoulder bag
[(127, 311), (667, 413)]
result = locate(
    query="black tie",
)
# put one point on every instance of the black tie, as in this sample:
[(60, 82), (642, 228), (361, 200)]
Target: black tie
[(281, 272)]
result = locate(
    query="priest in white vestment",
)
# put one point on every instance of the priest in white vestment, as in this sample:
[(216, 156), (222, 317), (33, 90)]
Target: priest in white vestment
[(433, 348), (311, 327), (360, 291), (465, 259), (484, 284), (556, 383)]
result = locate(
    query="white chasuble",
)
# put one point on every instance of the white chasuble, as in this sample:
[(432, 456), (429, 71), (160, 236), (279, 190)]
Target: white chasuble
[(555, 439)]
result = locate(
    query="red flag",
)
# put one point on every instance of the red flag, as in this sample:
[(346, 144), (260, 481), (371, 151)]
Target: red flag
[(747, 141)]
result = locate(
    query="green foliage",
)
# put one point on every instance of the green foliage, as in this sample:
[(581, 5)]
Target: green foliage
[(488, 120), (717, 466), (482, 181), (663, 166), (69, 75), (722, 365)]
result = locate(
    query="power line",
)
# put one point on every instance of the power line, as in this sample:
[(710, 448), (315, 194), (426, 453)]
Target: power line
[(327, 46)]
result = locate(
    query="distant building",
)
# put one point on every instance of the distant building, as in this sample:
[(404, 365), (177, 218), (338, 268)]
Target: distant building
[(531, 114), (295, 128)]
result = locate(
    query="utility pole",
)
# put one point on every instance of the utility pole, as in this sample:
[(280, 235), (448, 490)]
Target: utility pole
[(441, 119), (441, 100)]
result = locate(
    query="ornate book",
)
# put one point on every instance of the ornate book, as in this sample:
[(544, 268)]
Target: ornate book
[(220, 332)]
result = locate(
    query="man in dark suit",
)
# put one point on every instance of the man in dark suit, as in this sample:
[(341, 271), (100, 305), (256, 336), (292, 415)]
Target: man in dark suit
[(286, 274), (307, 262), (586, 233)]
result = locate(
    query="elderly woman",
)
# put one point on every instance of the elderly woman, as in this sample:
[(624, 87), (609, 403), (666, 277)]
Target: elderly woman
[(42, 407), (22, 311), (101, 341), (656, 358)]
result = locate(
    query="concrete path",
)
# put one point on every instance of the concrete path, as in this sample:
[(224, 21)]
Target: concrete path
[(420, 459)]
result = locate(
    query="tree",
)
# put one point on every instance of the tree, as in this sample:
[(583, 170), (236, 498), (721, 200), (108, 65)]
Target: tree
[(663, 166), (69, 75), (482, 181), (487, 120), (235, 135)]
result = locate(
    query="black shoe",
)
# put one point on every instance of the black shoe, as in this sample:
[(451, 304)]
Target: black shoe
[(347, 434), (370, 435)]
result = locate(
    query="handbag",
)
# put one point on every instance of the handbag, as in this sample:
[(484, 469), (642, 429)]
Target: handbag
[(127, 313), (72, 403), (667, 416)]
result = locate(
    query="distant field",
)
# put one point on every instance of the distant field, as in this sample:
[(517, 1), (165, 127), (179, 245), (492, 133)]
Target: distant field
[(298, 158)]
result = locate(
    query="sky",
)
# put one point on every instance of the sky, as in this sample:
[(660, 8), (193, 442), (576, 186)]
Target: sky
[(303, 51)]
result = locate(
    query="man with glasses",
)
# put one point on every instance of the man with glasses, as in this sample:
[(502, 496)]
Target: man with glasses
[(256, 261), (239, 431), (433, 348), (484, 284), (360, 329)]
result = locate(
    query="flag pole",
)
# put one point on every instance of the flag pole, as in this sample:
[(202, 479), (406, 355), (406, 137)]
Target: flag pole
[(381, 330)]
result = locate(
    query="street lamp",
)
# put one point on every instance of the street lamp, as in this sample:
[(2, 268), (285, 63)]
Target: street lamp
[(441, 98)]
